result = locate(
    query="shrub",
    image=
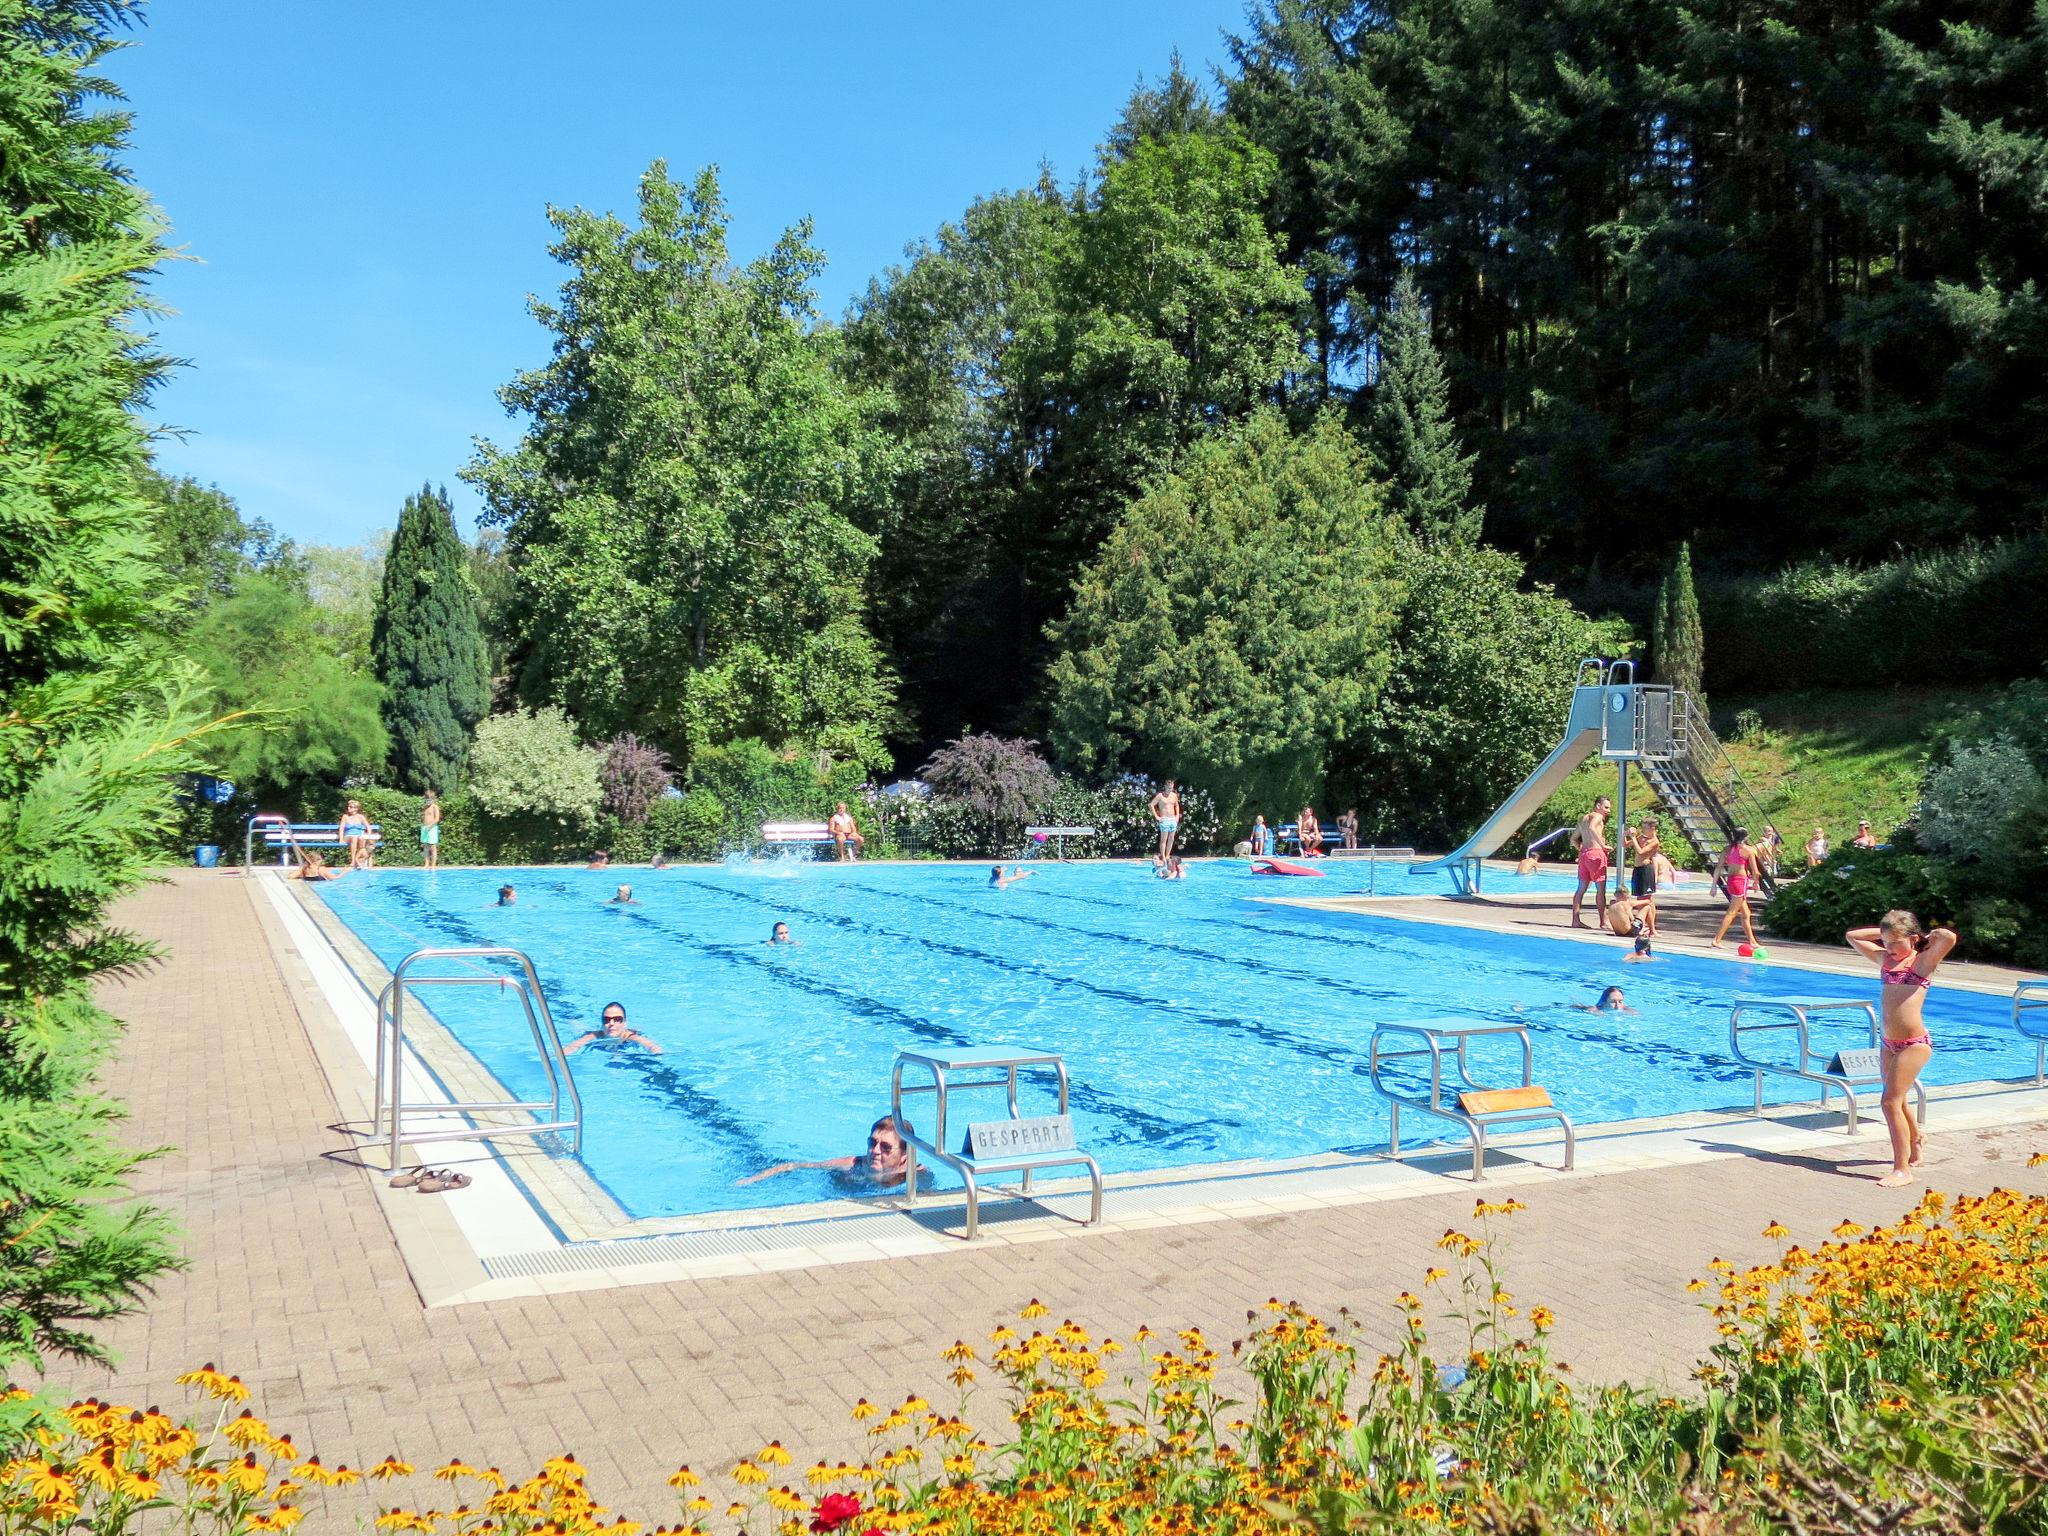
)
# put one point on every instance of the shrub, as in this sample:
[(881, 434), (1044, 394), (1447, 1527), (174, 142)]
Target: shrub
[(1857, 887), (532, 765), (1968, 803), (1004, 780), (635, 774), (755, 783), (1119, 811)]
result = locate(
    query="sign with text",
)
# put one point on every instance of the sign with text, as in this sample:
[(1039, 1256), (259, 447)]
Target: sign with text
[(1021, 1138), (1864, 1061)]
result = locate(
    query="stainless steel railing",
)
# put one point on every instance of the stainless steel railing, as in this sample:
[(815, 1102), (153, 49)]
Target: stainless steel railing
[(563, 1106)]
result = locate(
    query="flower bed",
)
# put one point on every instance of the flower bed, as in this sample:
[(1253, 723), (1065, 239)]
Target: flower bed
[(1884, 1380)]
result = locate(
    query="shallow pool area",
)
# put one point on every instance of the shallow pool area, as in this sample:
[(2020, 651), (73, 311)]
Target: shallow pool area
[(1200, 1024)]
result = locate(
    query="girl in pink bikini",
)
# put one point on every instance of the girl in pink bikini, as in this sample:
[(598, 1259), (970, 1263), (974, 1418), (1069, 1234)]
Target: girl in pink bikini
[(1906, 959)]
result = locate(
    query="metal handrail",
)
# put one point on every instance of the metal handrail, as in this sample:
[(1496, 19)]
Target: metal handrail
[(2030, 997), (389, 1108), (1433, 1039), (261, 818), (1812, 1065)]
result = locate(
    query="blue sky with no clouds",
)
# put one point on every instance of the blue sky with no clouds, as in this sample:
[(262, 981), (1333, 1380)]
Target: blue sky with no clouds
[(363, 185)]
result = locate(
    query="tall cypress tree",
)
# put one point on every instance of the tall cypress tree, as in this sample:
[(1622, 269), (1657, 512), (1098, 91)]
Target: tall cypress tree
[(1677, 637), (1429, 480), (428, 645), (98, 728)]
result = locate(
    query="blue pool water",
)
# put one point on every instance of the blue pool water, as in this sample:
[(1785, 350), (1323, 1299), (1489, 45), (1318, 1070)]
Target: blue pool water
[(1199, 1025)]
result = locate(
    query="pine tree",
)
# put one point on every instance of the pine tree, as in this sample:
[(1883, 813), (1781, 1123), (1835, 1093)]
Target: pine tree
[(428, 645), (98, 726), (1678, 639), (1429, 480)]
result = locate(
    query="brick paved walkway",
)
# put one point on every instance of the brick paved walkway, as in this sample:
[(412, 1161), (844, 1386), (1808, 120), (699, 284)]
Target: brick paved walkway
[(294, 1281)]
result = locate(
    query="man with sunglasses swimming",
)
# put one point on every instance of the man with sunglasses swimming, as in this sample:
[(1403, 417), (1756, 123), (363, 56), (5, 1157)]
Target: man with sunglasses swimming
[(615, 1031), (886, 1160)]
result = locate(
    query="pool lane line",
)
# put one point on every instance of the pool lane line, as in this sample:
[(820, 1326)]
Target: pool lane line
[(1150, 1130), (1659, 1054)]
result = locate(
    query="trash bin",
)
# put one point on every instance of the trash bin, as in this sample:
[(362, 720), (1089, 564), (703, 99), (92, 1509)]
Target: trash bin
[(206, 855)]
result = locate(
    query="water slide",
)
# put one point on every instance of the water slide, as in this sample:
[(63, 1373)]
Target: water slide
[(1582, 740)]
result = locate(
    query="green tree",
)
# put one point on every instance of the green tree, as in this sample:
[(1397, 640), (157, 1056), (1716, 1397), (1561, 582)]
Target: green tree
[(1429, 478), (97, 728), (1479, 674), (531, 764), (204, 541), (1233, 627), (343, 582), (685, 512), (428, 646), (1678, 640), (308, 717)]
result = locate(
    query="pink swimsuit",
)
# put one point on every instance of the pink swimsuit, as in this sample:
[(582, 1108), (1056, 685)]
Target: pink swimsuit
[(1904, 976)]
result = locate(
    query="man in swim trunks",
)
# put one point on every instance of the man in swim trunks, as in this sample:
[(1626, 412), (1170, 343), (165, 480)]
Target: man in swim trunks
[(1309, 833), (845, 835), (1644, 843), (1166, 811), (615, 1031), (887, 1160), (430, 832), (1590, 838), (1906, 961)]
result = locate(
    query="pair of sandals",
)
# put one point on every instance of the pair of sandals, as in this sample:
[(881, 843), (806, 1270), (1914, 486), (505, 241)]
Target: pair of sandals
[(430, 1181)]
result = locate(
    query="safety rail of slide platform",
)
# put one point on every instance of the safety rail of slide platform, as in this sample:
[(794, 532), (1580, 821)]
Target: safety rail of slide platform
[(395, 1118), (1834, 1069)]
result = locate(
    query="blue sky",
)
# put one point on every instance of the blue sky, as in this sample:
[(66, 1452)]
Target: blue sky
[(362, 187)]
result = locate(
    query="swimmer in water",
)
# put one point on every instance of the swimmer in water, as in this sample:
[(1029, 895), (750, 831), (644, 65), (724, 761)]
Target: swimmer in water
[(624, 898), (886, 1161), (1612, 1000), (997, 880), (779, 934), (615, 1031), (1906, 961), (507, 897)]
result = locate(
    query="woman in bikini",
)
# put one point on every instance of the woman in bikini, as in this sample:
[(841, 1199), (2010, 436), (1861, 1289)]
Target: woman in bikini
[(1738, 869), (1906, 960)]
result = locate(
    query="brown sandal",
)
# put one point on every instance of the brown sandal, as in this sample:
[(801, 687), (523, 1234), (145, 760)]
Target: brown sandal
[(409, 1178), (442, 1181)]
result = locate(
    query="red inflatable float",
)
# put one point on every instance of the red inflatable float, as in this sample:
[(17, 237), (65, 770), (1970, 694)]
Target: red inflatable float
[(1279, 867)]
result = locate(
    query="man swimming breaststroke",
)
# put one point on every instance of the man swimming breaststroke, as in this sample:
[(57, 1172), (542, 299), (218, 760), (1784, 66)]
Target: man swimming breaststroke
[(1165, 807), (613, 1031), (886, 1161)]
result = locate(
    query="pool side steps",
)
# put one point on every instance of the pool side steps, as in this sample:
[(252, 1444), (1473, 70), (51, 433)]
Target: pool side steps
[(1471, 1105)]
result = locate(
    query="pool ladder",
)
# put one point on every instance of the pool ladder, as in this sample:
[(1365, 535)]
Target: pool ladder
[(563, 1107)]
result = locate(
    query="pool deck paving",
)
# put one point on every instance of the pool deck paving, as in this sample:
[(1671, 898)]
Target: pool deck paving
[(295, 1280)]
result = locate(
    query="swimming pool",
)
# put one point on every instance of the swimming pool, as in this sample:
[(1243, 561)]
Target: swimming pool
[(1199, 1026)]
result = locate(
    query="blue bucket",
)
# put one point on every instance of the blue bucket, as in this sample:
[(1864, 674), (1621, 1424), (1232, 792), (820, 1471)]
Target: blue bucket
[(206, 855)]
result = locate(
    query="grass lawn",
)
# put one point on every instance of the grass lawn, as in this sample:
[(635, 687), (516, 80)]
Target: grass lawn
[(1818, 759)]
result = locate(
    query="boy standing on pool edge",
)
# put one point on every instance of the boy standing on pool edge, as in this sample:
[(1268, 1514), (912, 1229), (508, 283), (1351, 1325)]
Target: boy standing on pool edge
[(1590, 838)]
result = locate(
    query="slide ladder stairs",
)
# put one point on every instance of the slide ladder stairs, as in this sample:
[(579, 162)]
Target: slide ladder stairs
[(1701, 788)]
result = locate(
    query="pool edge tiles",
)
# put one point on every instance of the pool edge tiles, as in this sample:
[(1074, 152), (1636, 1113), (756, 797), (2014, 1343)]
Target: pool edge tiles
[(476, 1247)]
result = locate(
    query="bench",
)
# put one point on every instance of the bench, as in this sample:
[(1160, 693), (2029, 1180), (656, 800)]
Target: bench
[(1841, 1070), (788, 834), (289, 836)]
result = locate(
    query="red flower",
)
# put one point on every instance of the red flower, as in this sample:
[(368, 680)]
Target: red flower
[(835, 1510)]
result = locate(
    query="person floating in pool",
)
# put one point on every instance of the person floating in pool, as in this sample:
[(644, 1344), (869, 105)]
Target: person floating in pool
[(600, 860), (615, 1032), (886, 1161), (997, 879), (1165, 808), (1612, 1000), (1170, 868), (1906, 962), (779, 934), (507, 897), (624, 898)]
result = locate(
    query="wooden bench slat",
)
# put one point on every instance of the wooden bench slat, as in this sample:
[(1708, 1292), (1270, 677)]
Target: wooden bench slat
[(1488, 1101)]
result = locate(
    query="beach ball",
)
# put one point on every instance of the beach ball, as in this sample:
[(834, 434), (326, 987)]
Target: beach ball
[(1745, 950), (1762, 953), (1038, 837)]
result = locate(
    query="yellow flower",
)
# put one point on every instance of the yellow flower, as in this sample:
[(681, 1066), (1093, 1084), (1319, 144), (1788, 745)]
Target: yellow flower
[(454, 1470), (1432, 1275), (2037, 1160), (772, 1455), (683, 1477), (1033, 1308), (1775, 1231), (959, 1349), (699, 1505), (747, 1472), (214, 1384), (389, 1468), (1847, 1229), (1540, 1318), (865, 1409)]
